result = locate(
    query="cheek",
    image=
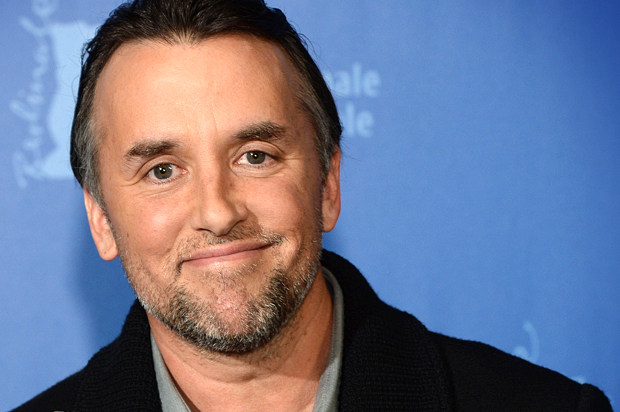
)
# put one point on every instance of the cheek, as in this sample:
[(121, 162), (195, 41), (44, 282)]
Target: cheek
[(150, 228), (288, 207)]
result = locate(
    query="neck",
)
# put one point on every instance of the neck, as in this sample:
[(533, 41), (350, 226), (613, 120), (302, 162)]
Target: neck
[(282, 376)]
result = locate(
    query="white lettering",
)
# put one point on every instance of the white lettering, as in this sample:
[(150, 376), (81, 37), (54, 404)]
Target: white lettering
[(354, 83), (372, 82), (357, 123)]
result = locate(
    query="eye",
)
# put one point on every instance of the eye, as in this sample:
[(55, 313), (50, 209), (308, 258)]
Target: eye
[(162, 171), (257, 161), (255, 158)]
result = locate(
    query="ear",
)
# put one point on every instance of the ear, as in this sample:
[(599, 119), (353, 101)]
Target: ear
[(100, 228), (331, 193)]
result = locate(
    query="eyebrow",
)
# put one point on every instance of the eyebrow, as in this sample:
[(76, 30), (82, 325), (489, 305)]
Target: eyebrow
[(147, 149), (265, 131)]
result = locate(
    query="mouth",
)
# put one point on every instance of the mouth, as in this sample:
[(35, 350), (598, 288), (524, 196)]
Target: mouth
[(228, 252)]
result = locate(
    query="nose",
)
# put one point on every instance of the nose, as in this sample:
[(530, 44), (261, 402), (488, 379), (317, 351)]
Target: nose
[(219, 203)]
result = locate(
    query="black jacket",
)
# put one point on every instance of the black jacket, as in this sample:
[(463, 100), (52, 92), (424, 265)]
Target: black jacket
[(390, 363)]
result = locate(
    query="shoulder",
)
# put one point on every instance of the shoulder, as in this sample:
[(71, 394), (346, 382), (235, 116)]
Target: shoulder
[(485, 378), (120, 377), (60, 397), (390, 358), (66, 394)]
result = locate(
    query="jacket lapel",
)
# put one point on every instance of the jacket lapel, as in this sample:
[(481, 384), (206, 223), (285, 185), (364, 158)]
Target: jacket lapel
[(389, 361), (121, 377)]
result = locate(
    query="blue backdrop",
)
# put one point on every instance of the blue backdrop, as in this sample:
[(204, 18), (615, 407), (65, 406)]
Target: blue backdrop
[(481, 183)]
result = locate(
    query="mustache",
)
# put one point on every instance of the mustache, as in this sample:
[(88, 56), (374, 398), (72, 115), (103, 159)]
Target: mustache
[(203, 240)]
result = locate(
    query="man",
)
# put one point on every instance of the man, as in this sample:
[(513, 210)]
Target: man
[(207, 144)]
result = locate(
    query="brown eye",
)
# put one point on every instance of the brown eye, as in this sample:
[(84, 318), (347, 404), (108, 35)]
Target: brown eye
[(163, 171), (255, 158)]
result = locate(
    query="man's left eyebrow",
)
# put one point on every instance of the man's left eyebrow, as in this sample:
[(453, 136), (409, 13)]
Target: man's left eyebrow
[(150, 148), (145, 150), (264, 131)]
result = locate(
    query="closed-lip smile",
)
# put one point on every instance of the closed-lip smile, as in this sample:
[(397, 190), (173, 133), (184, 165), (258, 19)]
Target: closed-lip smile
[(227, 251)]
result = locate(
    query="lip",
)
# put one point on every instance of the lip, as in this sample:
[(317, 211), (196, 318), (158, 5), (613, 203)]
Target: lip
[(226, 252)]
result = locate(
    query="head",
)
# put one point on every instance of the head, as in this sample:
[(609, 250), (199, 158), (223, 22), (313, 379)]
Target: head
[(207, 144), (192, 21)]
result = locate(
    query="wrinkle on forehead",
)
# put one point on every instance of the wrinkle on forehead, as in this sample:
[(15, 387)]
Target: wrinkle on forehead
[(271, 70)]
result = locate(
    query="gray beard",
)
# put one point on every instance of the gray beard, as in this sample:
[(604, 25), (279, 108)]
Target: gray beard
[(200, 324), (265, 316)]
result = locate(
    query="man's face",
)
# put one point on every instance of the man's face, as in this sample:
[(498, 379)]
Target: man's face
[(212, 187)]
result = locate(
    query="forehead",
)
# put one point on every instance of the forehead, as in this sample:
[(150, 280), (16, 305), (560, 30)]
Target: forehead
[(215, 85)]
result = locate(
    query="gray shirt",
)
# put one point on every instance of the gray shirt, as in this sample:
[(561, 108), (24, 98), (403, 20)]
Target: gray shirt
[(326, 399)]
